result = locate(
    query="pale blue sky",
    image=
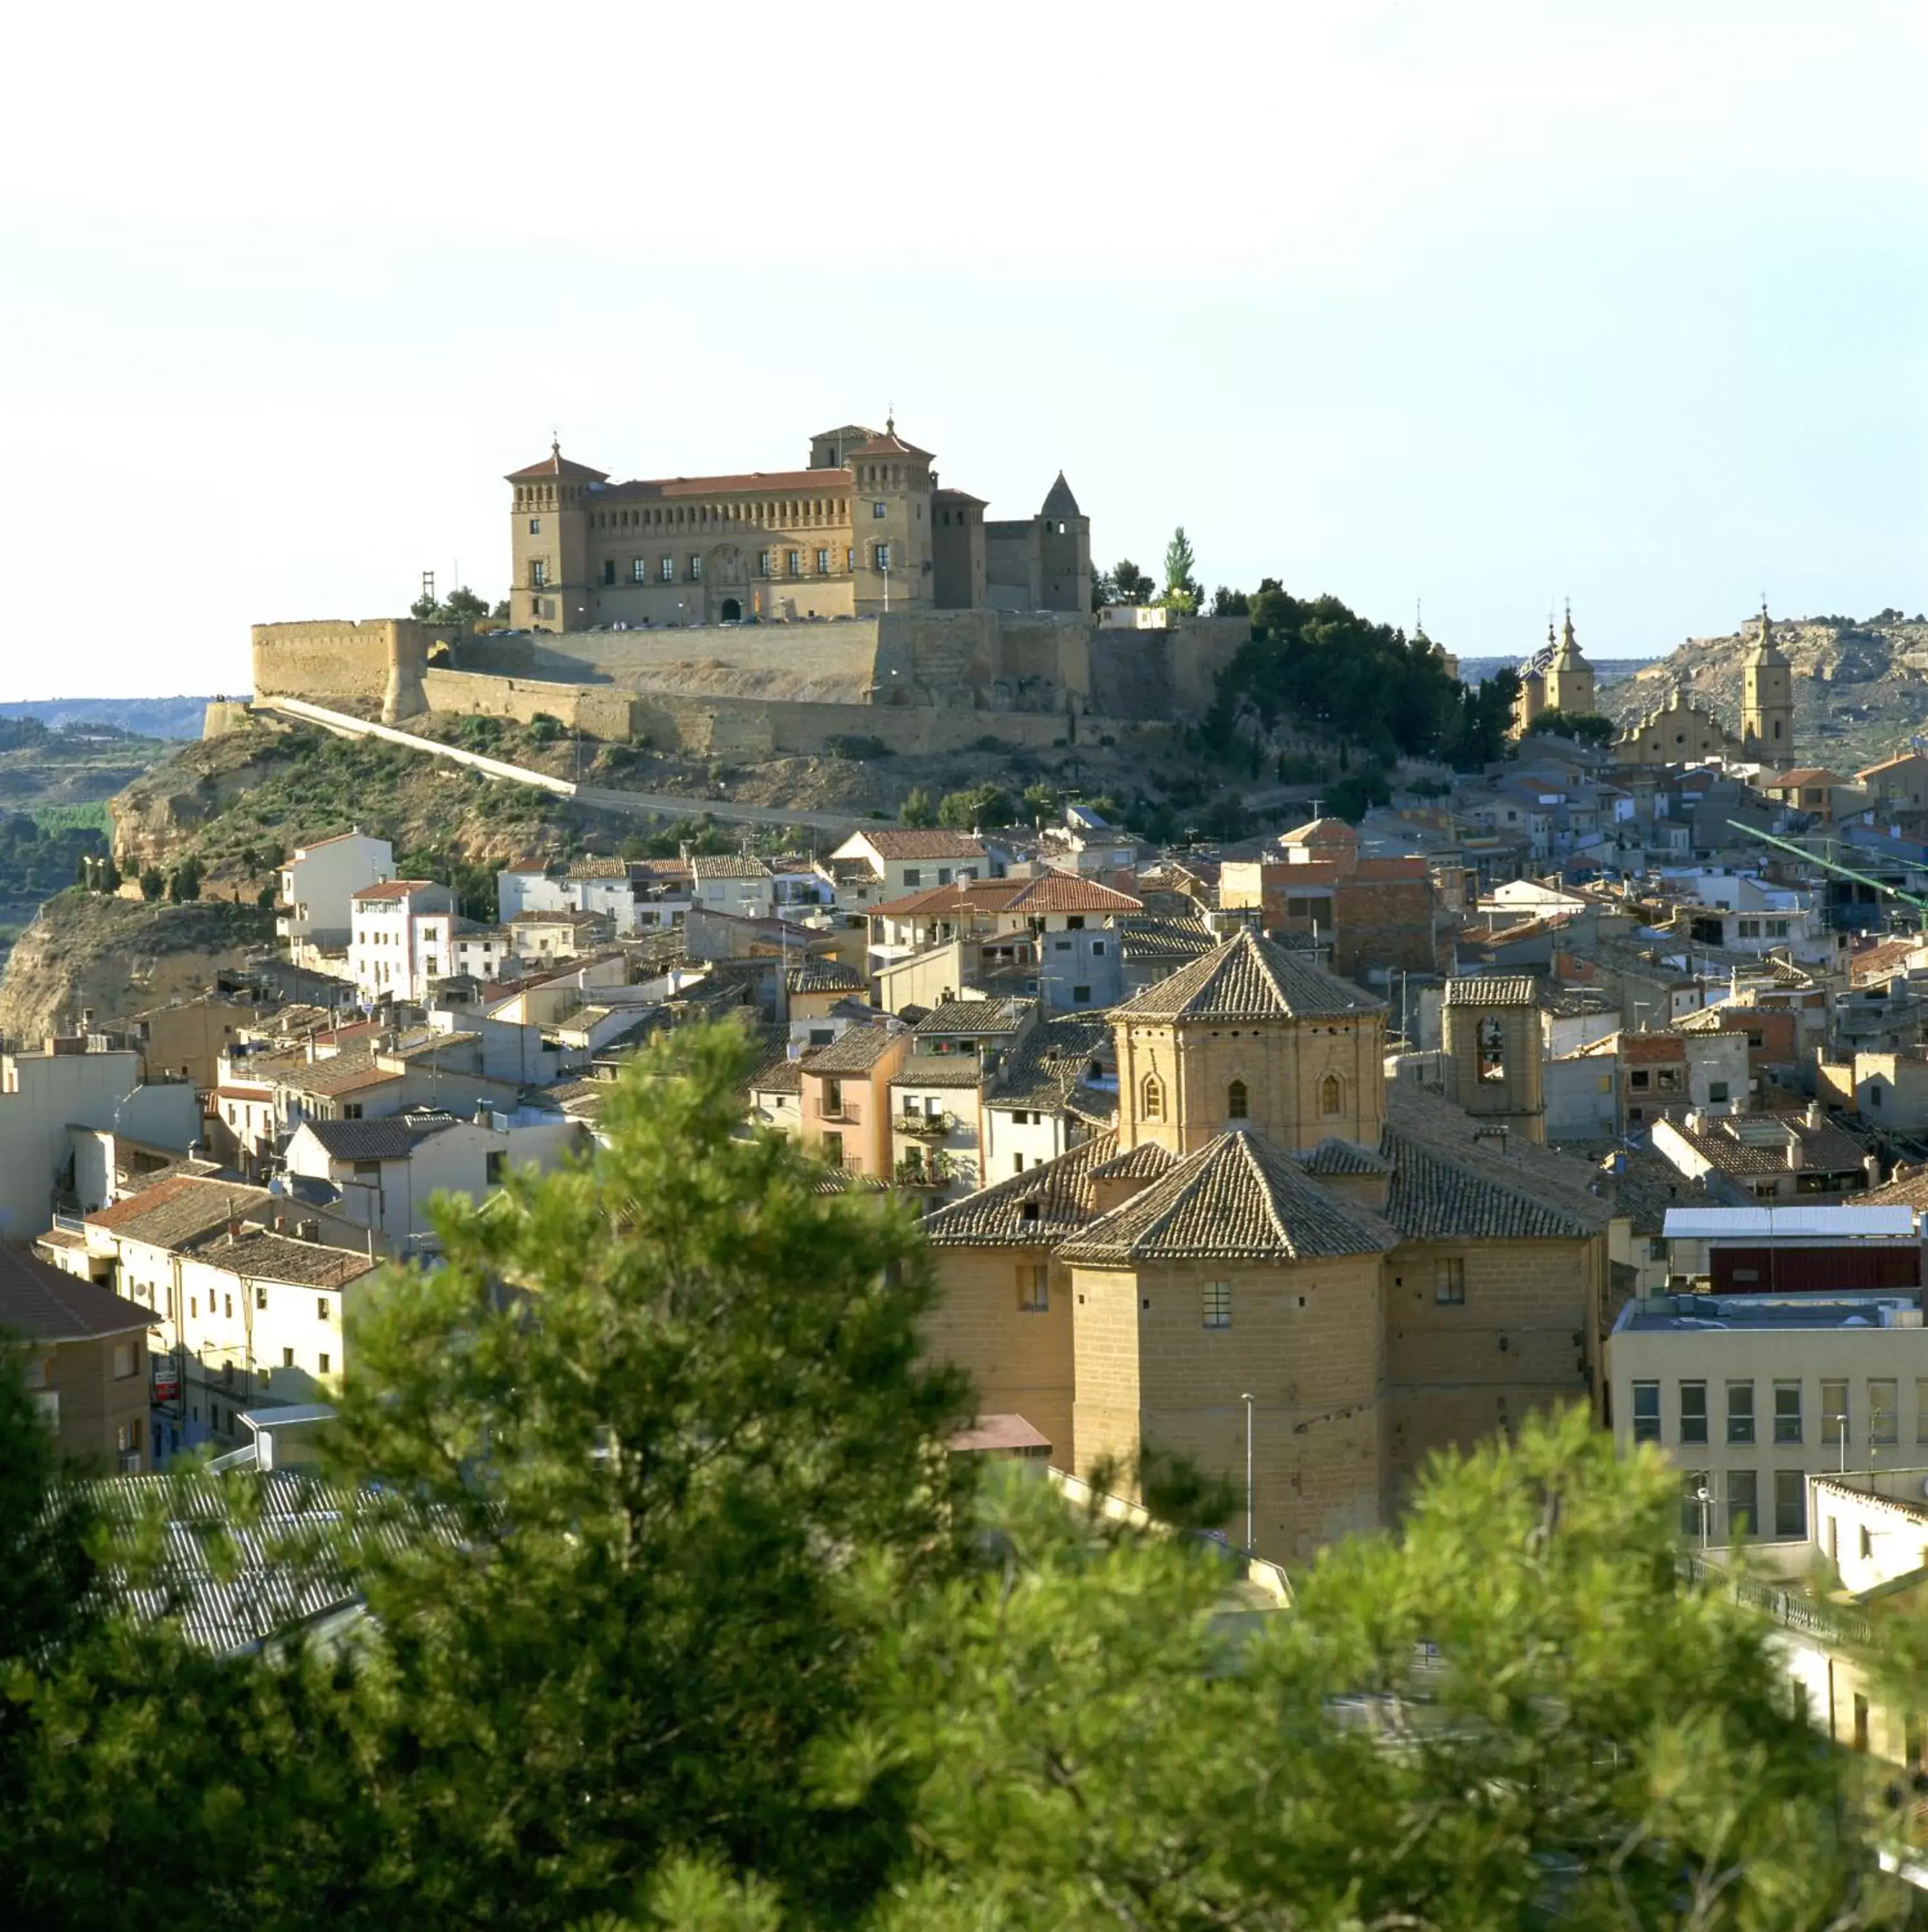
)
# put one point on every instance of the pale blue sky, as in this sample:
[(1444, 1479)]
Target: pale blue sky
[(1481, 304)]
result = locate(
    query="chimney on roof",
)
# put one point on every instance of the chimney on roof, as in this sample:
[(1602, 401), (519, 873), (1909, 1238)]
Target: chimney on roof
[(1795, 1151), (1871, 1166), (1815, 1118), (234, 1231)]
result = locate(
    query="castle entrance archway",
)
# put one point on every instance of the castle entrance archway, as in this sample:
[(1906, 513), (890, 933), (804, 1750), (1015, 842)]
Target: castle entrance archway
[(731, 611)]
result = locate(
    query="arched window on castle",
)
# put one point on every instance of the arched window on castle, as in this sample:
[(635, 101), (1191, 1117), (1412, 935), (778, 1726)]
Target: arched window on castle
[(1237, 1107), (1332, 1097), (1492, 1050), (1151, 1098)]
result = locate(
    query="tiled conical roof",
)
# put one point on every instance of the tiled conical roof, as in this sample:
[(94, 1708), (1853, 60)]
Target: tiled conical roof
[(1060, 502), (1248, 978), (1237, 1198)]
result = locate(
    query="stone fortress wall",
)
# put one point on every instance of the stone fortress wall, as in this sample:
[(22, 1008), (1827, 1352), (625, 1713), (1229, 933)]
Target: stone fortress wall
[(920, 682)]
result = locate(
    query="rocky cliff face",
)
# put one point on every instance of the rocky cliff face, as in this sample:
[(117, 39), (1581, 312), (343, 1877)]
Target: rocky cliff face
[(119, 956), (156, 817), (1860, 689)]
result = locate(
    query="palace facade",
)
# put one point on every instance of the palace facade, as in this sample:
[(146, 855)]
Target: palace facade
[(863, 530)]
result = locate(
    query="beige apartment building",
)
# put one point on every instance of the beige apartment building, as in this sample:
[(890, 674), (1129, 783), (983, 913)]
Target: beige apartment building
[(862, 529), (1749, 1396)]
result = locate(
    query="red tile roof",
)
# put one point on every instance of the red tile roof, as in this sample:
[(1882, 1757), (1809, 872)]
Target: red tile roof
[(905, 841), (393, 889), (829, 480), (889, 444), (555, 465)]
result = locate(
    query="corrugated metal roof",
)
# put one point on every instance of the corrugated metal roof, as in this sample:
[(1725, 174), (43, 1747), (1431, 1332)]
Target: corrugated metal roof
[(1843, 1223)]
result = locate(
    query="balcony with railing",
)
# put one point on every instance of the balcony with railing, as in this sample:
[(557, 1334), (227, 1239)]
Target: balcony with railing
[(927, 1126), (932, 1170)]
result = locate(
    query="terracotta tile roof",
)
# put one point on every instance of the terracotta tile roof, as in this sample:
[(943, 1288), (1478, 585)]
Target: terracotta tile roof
[(1066, 892), (277, 1257), (1248, 978), (951, 1070), (1320, 832), (727, 865), (599, 868), (1237, 1198), (40, 1302), (1447, 1185), (974, 1019), (825, 482), (986, 896), (181, 1210), (1826, 1149), (1050, 1063), (905, 841), (348, 1073), (855, 1050), (1492, 990), (1037, 1208), (393, 889), (889, 444), (556, 467), (824, 976), (394, 1139), (1165, 939), (1333, 1156)]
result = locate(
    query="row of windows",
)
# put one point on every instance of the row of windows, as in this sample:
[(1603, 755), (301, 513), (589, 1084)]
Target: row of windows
[(665, 568), (1238, 1100), (1708, 1516), (1882, 1422)]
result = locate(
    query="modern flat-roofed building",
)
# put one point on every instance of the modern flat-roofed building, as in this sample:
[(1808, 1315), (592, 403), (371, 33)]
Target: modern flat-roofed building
[(1749, 1395)]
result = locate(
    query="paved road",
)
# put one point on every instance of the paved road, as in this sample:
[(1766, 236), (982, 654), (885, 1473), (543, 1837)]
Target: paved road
[(665, 804)]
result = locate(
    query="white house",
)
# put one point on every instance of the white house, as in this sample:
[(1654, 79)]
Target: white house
[(388, 1171), (401, 936), (901, 859), (317, 884), (744, 887)]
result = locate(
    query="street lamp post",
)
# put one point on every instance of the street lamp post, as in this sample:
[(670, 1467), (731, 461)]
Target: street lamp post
[(1251, 1523)]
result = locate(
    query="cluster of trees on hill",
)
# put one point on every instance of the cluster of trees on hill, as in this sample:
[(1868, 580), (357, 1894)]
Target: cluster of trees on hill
[(682, 1616), (1320, 665), (37, 859)]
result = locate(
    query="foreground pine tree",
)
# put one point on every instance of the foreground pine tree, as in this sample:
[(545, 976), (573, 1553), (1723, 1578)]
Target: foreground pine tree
[(680, 1614)]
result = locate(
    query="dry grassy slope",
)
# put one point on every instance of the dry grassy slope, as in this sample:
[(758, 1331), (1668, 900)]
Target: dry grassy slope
[(1860, 690), (119, 956)]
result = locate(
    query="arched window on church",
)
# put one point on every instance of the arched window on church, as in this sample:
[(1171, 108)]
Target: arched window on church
[(1332, 1097), (1492, 1050), (1151, 1098), (1236, 1107)]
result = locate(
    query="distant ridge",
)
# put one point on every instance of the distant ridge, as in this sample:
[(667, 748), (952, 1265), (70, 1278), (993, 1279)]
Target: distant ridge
[(146, 717)]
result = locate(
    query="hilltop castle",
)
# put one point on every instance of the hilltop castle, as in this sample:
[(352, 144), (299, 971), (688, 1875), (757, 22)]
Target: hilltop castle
[(864, 528), (774, 612)]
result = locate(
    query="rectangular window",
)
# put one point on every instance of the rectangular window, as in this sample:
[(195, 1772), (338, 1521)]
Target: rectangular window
[(1080, 996), (1921, 1409), (126, 1363), (850, 556), (1693, 1411), (665, 570), (1787, 1412), (535, 527), (1836, 1428), (884, 556), (1646, 1411), (538, 573), (1743, 1515), (763, 563), (824, 563), (1034, 1293), (609, 570), (1790, 1502), (287, 1358), (833, 1149), (876, 509), (1449, 1282), (321, 1364), (1217, 1304), (1741, 1411), (495, 1167), (639, 570), (321, 1308), (1716, 1089), (1884, 1410), (695, 568), (793, 562), (914, 876)]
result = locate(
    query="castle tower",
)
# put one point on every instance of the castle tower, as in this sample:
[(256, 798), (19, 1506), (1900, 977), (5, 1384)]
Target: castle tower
[(894, 566), (1494, 1053), (1767, 700), (549, 545), (1255, 1037), (1569, 678), (1064, 551)]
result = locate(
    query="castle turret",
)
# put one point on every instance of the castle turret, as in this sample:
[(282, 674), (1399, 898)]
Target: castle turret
[(550, 544), (1767, 700), (1064, 550), (894, 565), (1569, 678)]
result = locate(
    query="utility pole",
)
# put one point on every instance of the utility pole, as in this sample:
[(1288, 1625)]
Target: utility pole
[(1251, 1522)]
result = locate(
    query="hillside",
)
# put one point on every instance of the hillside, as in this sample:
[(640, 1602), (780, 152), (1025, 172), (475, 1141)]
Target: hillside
[(172, 718), (1860, 689), (119, 956)]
